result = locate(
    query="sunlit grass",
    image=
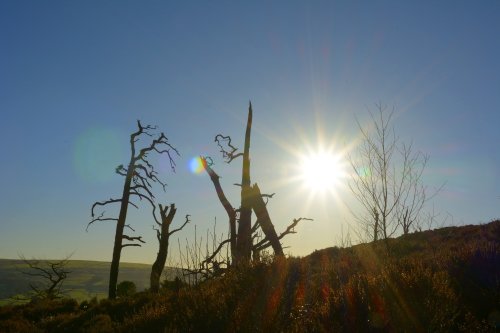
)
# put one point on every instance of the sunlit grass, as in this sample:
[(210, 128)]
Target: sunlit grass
[(444, 280)]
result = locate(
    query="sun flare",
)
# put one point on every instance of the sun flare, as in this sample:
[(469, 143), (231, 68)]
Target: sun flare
[(321, 171)]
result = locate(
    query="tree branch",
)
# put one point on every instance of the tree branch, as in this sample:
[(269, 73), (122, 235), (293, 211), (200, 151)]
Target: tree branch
[(162, 140), (265, 243), (181, 227), (131, 244), (214, 254), (100, 218), (103, 203), (231, 212), (133, 238), (227, 154)]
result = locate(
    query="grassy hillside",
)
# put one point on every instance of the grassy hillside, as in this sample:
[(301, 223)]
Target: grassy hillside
[(447, 280), (87, 278)]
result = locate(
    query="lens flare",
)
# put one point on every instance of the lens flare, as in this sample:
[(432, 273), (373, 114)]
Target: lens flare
[(364, 171), (97, 152), (196, 165)]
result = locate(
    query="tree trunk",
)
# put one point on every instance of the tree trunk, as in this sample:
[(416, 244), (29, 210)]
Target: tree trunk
[(120, 225), (406, 222), (260, 209), (163, 237), (244, 244)]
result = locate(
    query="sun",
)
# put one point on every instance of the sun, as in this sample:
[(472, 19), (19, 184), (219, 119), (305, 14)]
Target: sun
[(321, 171)]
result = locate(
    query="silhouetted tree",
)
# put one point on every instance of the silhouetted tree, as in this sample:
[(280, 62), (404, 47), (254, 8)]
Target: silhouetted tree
[(52, 273), (387, 179), (244, 240), (139, 175), (241, 241), (163, 235)]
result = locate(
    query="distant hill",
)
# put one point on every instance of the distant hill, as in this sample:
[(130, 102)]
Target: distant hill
[(86, 280)]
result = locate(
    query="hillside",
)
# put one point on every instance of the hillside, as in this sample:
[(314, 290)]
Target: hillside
[(446, 280), (86, 280)]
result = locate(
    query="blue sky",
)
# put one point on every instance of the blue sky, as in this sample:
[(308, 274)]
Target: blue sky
[(75, 77)]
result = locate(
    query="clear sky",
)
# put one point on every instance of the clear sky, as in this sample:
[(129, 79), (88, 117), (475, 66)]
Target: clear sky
[(76, 75)]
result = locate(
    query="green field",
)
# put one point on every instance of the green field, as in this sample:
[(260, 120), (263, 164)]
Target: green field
[(87, 278)]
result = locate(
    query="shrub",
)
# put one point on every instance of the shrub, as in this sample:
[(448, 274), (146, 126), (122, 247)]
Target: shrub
[(126, 289)]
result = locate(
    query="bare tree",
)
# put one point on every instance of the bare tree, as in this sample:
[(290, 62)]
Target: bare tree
[(387, 179), (52, 273), (242, 241), (140, 175), (163, 234)]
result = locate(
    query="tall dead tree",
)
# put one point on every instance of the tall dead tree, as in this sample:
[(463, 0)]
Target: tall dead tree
[(163, 234), (241, 241), (244, 244), (140, 175)]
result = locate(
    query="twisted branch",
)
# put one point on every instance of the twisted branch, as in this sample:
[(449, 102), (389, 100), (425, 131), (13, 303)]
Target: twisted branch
[(227, 154)]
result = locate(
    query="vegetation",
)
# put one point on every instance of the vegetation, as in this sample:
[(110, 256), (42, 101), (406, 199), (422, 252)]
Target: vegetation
[(126, 289), (446, 280), (440, 281)]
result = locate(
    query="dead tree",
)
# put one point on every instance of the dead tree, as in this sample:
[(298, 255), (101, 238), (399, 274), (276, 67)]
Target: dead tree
[(163, 235), (140, 175), (244, 244), (241, 241), (53, 273)]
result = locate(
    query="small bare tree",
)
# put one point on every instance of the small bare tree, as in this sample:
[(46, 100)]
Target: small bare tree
[(140, 175), (163, 234), (49, 276), (387, 179)]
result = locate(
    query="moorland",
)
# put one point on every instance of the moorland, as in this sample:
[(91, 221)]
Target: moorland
[(443, 280)]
